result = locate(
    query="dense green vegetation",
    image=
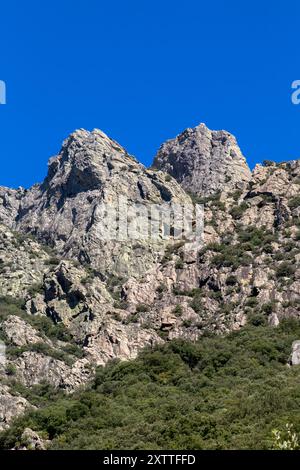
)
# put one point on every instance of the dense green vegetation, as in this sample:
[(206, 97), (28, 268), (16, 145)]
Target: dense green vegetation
[(220, 393)]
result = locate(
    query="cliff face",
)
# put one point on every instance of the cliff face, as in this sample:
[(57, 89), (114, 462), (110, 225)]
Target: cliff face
[(71, 299), (204, 161), (66, 212)]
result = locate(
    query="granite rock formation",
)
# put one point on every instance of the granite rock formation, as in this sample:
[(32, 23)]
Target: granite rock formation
[(204, 161), (71, 300)]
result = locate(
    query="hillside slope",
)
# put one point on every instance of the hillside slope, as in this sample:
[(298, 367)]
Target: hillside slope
[(73, 298)]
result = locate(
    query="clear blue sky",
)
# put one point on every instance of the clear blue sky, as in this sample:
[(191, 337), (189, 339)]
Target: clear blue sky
[(142, 71)]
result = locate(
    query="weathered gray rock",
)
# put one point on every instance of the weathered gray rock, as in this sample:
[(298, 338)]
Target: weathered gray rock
[(11, 406), (19, 333), (2, 353), (30, 440), (204, 161), (66, 211), (295, 356), (22, 263), (33, 368), (9, 204)]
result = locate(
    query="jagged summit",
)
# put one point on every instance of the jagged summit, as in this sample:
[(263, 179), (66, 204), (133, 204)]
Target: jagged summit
[(90, 171), (95, 140), (96, 136), (85, 160), (204, 161)]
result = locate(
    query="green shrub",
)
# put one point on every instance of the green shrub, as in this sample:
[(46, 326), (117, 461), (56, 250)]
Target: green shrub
[(231, 256), (161, 288), (10, 369), (268, 308), (35, 289), (52, 261), (294, 202), (10, 306), (231, 280), (257, 319), (285, 269), (140, 308), (237, 194), (251, 302), (179, 264), (237, 212), (177, 310), (187, 323), (121, 304), (221, 392), (196, 305)]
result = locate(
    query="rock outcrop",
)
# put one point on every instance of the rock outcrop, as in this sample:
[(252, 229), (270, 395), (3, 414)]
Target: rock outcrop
[(23, 262), (86, 179), (204, 161), (11, 406), (30, 440), (295, 356)]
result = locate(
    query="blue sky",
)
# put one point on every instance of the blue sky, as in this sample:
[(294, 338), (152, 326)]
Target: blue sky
[(143, 71)]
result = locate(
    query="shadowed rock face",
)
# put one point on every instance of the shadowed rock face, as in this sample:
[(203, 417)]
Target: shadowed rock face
[(204, 161)]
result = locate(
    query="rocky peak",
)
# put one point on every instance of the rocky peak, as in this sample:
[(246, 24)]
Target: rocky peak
[(87, 177), (84, 162), (204, 161)]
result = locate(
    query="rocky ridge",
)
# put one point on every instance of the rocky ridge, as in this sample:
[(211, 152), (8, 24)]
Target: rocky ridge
[(71, 301), (65, 211), (204, 161)]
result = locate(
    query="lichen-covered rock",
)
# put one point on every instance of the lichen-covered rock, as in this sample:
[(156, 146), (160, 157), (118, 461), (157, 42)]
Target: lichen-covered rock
[(116, 340), (204, 161), (88, 176), (19, 333), (11, 406), (30, 440), (22, 263), (295, 356), (9, 204), (33, 368)]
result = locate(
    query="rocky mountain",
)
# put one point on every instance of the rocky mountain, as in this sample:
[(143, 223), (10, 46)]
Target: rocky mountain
[(204, 161), (65, 211), (73, 297)]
